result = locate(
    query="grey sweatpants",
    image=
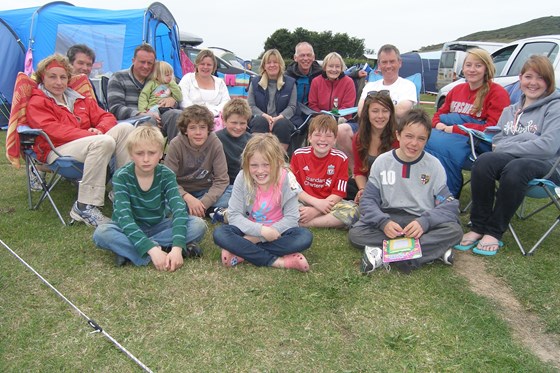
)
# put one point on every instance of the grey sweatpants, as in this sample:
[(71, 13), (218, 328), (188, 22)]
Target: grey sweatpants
[(434, 242)]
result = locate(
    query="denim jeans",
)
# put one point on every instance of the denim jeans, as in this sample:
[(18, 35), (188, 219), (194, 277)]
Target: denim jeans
[(111, 237), (294, 240), (221, 202)]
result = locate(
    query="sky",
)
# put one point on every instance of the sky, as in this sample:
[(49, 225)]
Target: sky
[(244, 26)]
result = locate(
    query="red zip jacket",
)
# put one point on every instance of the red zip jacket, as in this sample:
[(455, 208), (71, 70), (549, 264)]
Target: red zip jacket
[(60, 124), (323, 92)]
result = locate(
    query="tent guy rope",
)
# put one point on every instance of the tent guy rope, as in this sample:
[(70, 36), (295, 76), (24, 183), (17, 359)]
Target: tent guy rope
[(91, 322)]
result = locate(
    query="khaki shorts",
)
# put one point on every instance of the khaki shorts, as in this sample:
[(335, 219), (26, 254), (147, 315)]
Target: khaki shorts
[(345, 211)]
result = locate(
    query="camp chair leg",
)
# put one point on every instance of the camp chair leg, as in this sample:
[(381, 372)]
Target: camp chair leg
[(516, 238), (544, 236), (46, 186)]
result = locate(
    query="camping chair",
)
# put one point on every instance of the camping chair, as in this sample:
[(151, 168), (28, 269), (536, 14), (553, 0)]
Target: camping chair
[(21, 138), (541, 189), (475, 137)]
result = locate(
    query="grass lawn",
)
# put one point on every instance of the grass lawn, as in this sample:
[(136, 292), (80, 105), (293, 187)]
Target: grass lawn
[(205, 317)]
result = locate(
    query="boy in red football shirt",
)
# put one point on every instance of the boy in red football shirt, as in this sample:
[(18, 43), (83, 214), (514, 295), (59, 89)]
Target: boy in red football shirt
[(322, 172)]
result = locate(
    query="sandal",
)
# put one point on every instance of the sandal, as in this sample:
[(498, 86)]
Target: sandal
[(466, 243), (481, 248), (296, 261), (230, 260)]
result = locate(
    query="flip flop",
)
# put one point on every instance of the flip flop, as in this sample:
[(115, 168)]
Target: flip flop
[(479, 249), (469, 245)]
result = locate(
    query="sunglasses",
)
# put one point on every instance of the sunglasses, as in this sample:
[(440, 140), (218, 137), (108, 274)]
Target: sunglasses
[(383, 92)]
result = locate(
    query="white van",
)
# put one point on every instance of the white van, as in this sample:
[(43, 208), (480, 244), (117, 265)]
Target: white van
[(509, 60), (452, 56)]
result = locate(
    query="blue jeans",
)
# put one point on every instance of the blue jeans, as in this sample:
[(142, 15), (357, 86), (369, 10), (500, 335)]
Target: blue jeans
[(111, 237), (294, 240), (221, 202), (452, 150)]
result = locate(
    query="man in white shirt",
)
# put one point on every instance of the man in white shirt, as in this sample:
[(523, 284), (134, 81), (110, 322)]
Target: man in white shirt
[(402, 92)]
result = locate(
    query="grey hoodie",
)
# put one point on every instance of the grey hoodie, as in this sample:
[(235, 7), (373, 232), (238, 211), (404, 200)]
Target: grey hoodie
[(532, 132)]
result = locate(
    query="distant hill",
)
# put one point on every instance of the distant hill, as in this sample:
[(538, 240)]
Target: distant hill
[(536, 27)]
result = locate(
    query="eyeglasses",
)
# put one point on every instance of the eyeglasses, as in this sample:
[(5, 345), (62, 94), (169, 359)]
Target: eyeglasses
[(383, 92)]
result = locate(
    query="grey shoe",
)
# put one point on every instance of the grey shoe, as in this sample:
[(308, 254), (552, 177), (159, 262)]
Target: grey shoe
[(371, 260), (90, 215), (192, 251), (448, 257), (35, 181)]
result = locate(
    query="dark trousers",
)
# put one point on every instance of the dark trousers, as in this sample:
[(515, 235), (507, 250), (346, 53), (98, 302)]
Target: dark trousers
[(493, 209), (283, 128)]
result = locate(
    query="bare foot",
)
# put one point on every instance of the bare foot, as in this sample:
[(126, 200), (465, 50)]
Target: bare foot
[(470, 238), (292, 261), (489, 243)]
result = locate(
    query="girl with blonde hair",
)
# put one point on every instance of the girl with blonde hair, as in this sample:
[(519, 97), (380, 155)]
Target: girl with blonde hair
[(263, 211)]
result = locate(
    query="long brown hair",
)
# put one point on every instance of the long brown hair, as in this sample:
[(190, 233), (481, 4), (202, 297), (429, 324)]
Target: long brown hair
[(365, 128)]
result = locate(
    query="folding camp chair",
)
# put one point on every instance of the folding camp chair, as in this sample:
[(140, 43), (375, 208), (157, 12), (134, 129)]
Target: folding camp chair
[(21, 138), (540, 189), (475, 137)]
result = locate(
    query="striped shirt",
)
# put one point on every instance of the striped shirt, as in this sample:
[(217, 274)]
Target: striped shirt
[(135, 208)]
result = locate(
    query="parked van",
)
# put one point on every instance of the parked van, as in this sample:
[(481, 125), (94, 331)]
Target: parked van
[(509, 60), (452, 57)]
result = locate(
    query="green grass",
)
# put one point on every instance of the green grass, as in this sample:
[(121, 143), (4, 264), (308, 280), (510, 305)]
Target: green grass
[(205, 317)]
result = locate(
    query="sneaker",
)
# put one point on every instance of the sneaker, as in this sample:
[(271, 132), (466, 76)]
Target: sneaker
[(120, 260), (35, 181), (192, 251), (111, 196), (372, 259), (219, 215), (90, 215), (448, 257)]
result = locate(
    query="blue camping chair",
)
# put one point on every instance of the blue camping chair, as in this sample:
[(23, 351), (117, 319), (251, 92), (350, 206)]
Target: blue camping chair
[(540, 189), (37, 180)]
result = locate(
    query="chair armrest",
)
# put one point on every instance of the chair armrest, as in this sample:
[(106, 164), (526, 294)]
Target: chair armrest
[(25, 130), (478, 134)]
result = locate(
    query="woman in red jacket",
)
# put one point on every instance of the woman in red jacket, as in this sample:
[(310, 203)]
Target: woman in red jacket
[(77, 127), (477, 104), (333, 91)]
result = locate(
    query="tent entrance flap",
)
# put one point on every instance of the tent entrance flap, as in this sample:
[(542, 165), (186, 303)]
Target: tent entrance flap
[(106, 40)]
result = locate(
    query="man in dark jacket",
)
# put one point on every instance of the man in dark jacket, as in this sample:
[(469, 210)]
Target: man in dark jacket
[(303, 69)]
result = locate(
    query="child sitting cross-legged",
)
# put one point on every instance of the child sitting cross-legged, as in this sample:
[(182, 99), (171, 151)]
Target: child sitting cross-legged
[(197, 157), (145, 193), (322, 172), (263, 211), (406, 195)]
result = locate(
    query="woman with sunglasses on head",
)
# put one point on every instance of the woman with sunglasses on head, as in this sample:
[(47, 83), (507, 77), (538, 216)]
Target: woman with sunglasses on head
[(526, 148), (476, 104), (376, 135)]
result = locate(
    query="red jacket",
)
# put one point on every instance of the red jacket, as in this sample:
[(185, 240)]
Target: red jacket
[(323, 92), (60, 124), (460, 100)]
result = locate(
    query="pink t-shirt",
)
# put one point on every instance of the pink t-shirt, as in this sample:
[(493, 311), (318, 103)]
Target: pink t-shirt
[(267, 209)]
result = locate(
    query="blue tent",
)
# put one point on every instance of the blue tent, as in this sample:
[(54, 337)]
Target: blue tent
[(12, 61), (422, 63), (112, 34)]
